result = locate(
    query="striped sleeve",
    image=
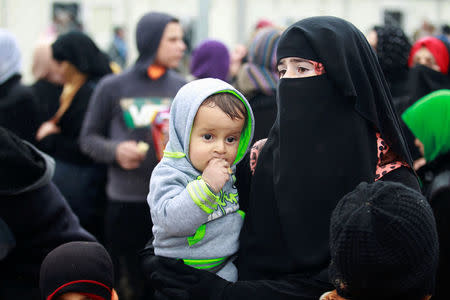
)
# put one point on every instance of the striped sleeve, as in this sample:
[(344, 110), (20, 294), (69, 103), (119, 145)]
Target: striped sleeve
[(202, 196)]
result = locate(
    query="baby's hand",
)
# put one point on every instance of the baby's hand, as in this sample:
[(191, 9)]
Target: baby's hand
[(216, 174)]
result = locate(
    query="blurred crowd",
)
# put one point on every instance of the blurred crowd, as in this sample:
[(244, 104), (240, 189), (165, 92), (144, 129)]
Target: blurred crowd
[(93, 124)]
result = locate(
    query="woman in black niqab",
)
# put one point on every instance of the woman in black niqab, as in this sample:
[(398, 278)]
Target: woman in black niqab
[(324, 142), (333, 131)]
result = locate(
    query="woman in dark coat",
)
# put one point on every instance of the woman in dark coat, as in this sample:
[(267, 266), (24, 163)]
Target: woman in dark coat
[(81, 64), (18, 107), (335, 128), (429, 121), (48, 84)]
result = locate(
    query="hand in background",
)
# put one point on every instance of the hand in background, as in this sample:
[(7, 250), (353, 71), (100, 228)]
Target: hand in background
[(46, 129), (128, 155)]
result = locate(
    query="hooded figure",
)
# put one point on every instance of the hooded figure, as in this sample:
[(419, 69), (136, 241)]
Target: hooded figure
[(325, 135), (430, 74), (210, 59), (120, 116), (27, 193), (176, 188), (18, 105), (332, 131), (392, 47), (257, 79)]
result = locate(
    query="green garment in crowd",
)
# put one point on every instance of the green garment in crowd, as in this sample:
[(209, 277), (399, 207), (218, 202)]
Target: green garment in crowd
[(429, 121)]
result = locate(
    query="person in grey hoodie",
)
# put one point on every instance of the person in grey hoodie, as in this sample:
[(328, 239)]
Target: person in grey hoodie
[(118, 118), (193, 199)]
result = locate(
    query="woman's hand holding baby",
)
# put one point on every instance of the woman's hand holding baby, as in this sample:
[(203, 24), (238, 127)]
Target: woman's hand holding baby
[(216, 174)]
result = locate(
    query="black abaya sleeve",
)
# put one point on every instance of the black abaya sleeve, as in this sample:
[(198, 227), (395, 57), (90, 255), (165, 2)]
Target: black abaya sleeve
[(243, 180), (174, 280)]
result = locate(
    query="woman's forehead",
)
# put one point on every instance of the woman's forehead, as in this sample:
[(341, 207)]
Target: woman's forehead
[(293, 59)]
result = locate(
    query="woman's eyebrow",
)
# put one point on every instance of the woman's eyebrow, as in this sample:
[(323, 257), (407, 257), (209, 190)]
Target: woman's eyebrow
[(298, 59)]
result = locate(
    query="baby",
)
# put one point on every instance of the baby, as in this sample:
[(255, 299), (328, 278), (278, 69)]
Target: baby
[(193, 201)]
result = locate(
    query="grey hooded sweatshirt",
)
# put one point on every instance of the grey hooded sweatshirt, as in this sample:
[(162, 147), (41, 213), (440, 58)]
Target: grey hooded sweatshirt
[(190, 221), (122, 107)]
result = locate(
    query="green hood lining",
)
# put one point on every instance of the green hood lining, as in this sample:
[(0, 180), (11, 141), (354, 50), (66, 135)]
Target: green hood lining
[(246, 134)]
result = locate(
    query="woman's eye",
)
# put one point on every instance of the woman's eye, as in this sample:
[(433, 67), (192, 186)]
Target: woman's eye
[(207, 136), (302, 69), (281, 73), (231, 139)]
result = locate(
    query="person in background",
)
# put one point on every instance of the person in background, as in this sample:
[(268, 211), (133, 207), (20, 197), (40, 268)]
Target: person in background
[(383, 244), (210, 59), (445, 34), (335, 128), (392, 47), (34, 212), (429, 121), (18, 105), (257, 79), (81, 64), (429, 62), (117, 132), (237, 57), (78, 271), (48, 85), (118, 51)]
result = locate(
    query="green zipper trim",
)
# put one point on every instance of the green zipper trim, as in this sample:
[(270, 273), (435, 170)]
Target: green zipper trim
[(242, 213), (192, 262), (198, 236), (174, 154), (244, 142)]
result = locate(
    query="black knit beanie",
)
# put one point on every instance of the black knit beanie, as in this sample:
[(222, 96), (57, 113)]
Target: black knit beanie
[(78, 267), (21, 166), (383, 243)]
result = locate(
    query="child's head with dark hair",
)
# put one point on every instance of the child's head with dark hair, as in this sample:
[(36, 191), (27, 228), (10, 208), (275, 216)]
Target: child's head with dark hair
[(217, 129), (383, 244), (229, 104)]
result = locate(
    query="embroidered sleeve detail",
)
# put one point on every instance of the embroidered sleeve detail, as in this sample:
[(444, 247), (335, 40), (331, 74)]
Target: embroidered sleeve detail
[(254, 154), (388, 161), (202, 196)]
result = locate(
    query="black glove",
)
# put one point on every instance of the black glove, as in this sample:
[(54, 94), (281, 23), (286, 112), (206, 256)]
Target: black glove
[(172, 279)]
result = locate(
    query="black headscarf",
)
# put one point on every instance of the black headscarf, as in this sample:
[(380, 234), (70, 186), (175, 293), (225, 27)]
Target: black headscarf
[(78, 49), (321, 147), (392, 51)]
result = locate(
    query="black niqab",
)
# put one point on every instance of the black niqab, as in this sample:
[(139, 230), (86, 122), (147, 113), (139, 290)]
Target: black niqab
[(321, 147), (423, 80)]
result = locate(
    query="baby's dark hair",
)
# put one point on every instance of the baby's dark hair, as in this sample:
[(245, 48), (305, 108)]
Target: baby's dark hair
[(229, 104)]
